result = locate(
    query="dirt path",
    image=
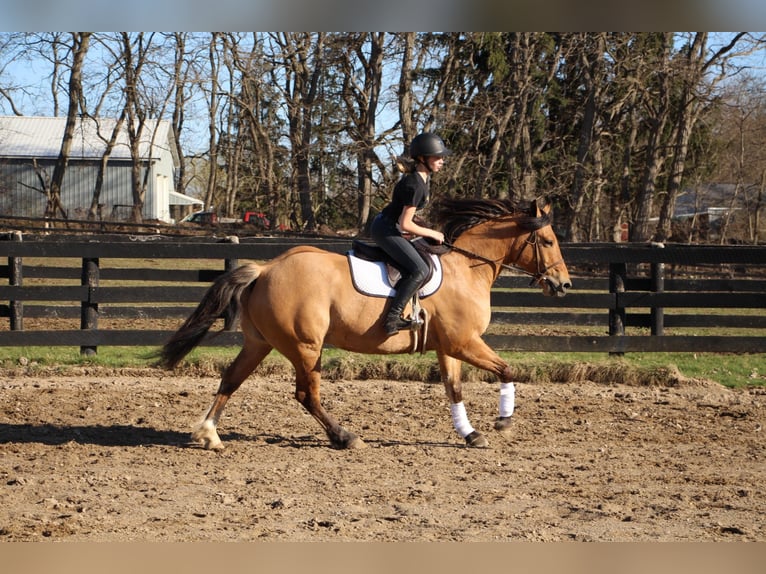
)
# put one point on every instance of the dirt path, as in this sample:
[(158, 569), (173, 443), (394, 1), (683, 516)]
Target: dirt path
[(105, 458)]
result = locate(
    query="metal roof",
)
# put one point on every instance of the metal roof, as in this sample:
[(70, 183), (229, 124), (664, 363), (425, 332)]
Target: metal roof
[(181, 199), (40, 137)]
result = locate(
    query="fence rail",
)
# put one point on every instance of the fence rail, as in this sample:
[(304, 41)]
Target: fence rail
[(622, 287)]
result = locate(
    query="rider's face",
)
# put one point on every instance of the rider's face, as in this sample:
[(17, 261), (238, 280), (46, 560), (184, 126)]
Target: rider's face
[(435, 163)]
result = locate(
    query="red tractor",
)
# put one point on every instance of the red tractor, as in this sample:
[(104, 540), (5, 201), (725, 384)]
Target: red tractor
[(257, 218)]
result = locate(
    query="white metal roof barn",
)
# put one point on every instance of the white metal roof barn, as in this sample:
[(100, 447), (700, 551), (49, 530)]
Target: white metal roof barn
[(30, 145)]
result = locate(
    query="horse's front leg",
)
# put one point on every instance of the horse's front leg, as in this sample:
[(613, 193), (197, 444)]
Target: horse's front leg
[(479, 354), (507, 406), (450, 370)]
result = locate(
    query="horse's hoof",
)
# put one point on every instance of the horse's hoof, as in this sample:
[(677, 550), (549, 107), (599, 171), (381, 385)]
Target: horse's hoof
[(356, 442), (208, 443), (502, 423), (348, 441), (207, 436), (476, 440)]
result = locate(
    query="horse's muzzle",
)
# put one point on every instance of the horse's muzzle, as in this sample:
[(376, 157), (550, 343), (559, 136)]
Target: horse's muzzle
[(553, 287)]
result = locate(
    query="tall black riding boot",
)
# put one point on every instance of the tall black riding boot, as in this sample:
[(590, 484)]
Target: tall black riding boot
[(405, 289)]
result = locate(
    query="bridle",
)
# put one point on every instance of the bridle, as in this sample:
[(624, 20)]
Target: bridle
[(531, 240)]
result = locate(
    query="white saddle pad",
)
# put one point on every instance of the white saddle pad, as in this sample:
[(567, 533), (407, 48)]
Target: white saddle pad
[(371, 277)]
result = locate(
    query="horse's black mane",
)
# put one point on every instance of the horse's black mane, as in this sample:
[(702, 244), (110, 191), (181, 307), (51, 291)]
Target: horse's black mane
[(455, 215)]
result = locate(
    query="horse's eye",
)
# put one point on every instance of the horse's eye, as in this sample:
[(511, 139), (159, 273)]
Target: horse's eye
[(547, 243)]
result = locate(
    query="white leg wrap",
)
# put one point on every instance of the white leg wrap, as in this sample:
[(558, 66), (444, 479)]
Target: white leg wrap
[(507, 399), (460, 419)]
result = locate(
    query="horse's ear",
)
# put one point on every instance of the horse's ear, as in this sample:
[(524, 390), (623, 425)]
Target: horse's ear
[(540, 205)]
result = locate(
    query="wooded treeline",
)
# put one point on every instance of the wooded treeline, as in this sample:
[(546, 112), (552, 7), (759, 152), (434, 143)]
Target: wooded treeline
[(614, 127)]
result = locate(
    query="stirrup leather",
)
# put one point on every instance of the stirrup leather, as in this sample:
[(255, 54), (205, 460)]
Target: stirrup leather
[(416, 318), (419, 326)]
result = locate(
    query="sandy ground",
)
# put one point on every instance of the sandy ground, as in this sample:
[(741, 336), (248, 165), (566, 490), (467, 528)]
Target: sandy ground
[(105, 457)]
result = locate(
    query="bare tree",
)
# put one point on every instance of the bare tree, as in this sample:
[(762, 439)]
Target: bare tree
[(657, 102), (12, 47), (300, 57), (588, 169), (213, 103), (110, 142), (741, 126), (257, 103), (148, 89), (54, 48), (79, 48), (695, 95), (360, 58), (233, 144), (405, 96), (181, 94)]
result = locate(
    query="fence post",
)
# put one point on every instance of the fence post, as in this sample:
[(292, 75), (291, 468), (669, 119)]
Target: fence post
[(16, 278), (657, 286), (89, 308), (617, 274), (229, 264)]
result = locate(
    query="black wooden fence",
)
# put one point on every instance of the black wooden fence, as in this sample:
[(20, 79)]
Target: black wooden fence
[(629, 291)]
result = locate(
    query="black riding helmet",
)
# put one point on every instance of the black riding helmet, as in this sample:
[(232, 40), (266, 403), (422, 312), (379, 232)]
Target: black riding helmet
[(428, 144)]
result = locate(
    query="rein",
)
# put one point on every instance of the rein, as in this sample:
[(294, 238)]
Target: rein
[(513, 266)]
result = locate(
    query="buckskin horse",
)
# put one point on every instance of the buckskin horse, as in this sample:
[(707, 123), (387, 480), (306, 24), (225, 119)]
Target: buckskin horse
[(305, 299)]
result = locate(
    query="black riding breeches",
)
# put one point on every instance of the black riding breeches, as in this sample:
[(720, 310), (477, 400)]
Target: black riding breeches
[(414, 270)]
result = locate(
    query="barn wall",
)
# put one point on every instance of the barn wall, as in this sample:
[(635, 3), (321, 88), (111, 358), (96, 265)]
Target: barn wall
[(20, 185)]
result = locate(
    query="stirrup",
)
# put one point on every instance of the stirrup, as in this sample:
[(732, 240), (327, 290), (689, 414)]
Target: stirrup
[(415, 322)]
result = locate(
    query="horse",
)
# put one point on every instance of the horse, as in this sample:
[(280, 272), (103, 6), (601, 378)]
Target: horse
[(304, 299)]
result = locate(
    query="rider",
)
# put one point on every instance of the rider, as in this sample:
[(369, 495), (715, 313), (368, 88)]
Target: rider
[(410, 195)]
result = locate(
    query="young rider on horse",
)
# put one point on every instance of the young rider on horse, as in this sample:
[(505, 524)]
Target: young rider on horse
[(410, 195)]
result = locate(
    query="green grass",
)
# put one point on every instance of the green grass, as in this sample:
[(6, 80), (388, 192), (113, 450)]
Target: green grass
[(633, 368)]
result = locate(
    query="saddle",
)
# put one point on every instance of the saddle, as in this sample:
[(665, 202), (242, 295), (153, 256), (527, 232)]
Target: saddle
[(374, 272)]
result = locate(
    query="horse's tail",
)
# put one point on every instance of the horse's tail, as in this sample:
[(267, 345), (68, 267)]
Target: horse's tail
[(223, 296)]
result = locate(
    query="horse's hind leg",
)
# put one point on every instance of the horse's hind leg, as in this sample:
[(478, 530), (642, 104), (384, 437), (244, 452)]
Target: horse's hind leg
[(249, 357), (307, 382)]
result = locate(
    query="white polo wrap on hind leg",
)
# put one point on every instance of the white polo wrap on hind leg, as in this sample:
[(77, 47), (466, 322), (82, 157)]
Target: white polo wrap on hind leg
[(460, 419), (507, 399)]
